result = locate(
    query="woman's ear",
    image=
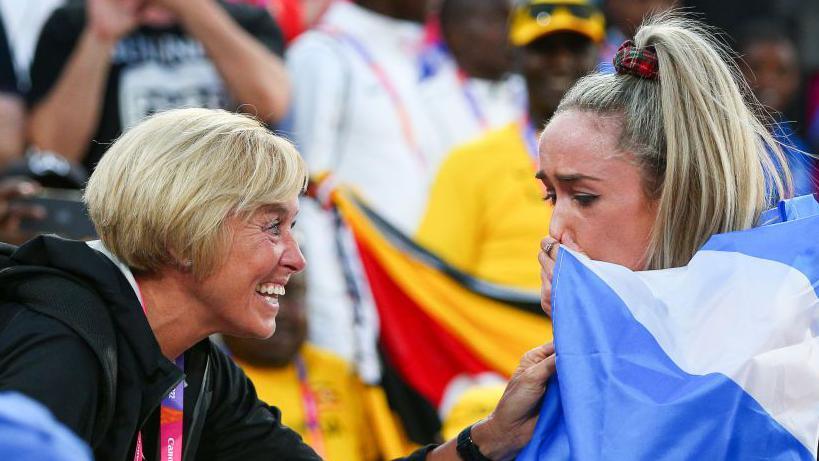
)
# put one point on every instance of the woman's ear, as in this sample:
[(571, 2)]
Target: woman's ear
[(181, 263)]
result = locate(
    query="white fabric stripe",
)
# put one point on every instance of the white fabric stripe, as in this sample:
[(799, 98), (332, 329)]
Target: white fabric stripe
[(708, 317)]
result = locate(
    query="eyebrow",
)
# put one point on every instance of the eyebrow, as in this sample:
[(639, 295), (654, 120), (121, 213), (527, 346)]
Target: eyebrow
[(541, 175), (279, 209), (575, 177), (274, 208)]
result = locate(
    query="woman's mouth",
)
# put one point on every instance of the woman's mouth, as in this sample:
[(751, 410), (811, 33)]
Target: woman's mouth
[(270, 289), (270, 292)]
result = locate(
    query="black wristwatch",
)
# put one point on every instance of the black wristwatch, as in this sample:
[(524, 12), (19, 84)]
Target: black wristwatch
[(467, 449)]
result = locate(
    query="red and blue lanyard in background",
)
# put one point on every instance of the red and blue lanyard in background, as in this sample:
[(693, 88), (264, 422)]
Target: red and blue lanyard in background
[(311, 411), (383, 78), (529, 138)]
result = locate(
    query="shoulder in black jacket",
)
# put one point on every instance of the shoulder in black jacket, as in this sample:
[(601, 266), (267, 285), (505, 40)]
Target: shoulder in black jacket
[(48, 360)]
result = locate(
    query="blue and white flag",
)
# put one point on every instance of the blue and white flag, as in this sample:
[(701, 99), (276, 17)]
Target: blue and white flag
[(718, 360)]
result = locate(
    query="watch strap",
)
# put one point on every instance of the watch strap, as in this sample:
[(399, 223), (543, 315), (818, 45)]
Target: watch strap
[(467, 449)]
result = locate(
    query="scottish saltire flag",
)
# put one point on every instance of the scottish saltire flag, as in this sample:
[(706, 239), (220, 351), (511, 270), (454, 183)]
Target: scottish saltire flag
[(718, 360)]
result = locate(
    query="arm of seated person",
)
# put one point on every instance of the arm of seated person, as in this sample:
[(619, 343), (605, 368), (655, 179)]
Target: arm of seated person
[(12, 128), (248, 60)]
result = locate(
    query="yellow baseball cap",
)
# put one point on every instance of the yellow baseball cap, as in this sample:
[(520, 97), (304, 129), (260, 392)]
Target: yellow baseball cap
[(532, 19)]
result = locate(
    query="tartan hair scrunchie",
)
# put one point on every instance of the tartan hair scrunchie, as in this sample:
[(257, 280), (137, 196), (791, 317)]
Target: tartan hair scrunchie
[(640, 62)]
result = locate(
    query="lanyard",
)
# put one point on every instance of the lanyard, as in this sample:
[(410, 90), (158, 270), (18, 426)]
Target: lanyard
[(527, 132), (383, 78), (310, 409), (472, 101), (170, 418), (529, 137)]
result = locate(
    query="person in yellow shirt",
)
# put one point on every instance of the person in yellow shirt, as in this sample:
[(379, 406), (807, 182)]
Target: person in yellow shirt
[(485, 213), (319, 395)]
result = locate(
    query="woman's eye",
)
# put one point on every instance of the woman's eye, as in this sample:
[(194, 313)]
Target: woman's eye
[(274, 228), (585, 200)]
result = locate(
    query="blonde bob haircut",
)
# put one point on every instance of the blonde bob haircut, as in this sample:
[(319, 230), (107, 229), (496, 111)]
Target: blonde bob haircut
[(706, 156), (162, 193)]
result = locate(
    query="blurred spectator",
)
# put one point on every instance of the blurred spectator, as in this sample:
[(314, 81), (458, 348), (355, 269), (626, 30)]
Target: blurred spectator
[(624, 16), (356, 103), (28, 431), (475, 32), (485, 213), (473, 89), (23, 21), (729, 16), (293, 16), (318, 393), (11, 106), (12, 213), (313, 10), (103, 65), (771, 66), (359, 117), (813, 113), (809, 37)]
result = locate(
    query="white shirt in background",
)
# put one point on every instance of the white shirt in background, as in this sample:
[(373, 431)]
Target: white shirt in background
[(353, 79), (23, 20), (463, 110)]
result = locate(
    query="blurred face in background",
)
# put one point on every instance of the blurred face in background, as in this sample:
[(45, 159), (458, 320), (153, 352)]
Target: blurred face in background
[(476, 33), (627, 15), (413, 10), (152, 14), (551, 65), (291, 331), (772, 70)]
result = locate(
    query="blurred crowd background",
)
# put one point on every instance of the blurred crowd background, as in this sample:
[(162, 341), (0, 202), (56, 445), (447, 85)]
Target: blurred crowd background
[(427, 109)]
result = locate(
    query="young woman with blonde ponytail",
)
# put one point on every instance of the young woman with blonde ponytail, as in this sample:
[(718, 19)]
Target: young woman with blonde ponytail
[(644, 165)]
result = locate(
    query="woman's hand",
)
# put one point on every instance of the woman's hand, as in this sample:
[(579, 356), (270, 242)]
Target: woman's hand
[(510, 426), (110, 20), (547, 258)]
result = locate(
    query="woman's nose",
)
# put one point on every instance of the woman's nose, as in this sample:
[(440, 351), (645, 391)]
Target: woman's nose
[(293, 257), (557, 225)]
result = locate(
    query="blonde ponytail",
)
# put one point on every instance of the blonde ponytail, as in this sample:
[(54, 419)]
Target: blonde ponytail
[(706, 156)]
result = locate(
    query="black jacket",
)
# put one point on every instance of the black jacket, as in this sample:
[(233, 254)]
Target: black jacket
[(68, 368), (103, 374)]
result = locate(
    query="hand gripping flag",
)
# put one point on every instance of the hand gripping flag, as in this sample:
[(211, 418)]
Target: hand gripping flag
[(718, 360)]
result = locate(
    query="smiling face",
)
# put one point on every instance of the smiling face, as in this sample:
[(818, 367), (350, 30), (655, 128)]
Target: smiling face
[(597, 190), (291, 332), (241, 295)]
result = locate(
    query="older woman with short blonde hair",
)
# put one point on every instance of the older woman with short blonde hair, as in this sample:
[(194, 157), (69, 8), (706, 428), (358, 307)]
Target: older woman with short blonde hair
[(195, 211), (149, 195)]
